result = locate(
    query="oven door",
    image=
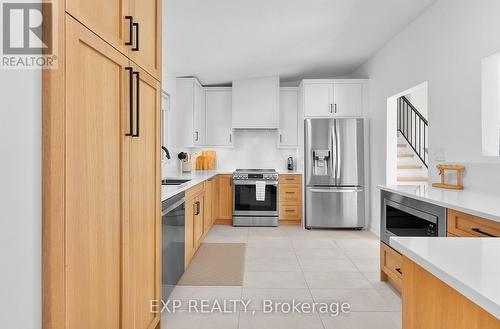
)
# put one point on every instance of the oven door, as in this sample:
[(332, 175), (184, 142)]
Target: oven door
[(401, 220), (246, 204)]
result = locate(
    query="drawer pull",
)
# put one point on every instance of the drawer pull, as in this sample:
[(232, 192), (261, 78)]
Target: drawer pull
[(399, 271), (478, 230), (289, 210), (290, 192)]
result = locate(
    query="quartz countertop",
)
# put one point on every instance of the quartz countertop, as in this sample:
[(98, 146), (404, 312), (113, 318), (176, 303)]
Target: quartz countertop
[(471, 266), (290, 172), (195, 177), (477, 203)]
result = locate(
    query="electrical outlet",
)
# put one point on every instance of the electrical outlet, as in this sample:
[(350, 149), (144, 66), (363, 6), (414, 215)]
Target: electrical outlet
[(439, 155)]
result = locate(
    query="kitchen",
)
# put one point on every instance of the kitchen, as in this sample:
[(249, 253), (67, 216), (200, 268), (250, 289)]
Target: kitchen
[(307, 164)]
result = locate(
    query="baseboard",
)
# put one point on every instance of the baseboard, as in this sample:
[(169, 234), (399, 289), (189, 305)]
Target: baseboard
[(224, 221)]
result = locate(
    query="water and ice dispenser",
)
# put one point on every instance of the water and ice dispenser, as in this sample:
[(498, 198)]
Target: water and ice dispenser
[(320, 164)]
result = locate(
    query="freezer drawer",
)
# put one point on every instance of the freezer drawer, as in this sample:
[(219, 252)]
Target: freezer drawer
[(335, 207)]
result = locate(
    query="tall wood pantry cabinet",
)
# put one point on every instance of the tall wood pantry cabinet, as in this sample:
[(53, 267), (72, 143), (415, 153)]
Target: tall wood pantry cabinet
[(101, 169)]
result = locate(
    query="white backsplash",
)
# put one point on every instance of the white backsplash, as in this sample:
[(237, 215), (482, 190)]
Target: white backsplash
[(251, 149)]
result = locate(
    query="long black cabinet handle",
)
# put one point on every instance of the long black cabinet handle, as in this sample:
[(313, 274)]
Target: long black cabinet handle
[(136, 25), (137, 102), (131, 101), (399, 271), (197, 209), (478, 230), (131, 22)]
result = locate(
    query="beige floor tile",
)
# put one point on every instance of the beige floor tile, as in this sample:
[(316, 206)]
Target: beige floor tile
[(305, 243), (187, 293), (363, 320), (269, 242), (362, 253), (260, 320), (260, 253), (274, 280), (272, 264), (347, 244), (320, 253), (327, 265), (264, 232), (257, 296), (367, 265), (333, 280), (189, 320), (361, 300)]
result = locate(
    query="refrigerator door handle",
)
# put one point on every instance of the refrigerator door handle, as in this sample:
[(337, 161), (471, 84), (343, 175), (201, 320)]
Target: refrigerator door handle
[(336, 190)]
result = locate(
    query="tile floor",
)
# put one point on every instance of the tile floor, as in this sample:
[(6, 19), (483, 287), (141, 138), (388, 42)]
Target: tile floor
[(287, 263)]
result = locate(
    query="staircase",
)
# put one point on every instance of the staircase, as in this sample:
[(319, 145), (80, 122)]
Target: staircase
[(412, 162)]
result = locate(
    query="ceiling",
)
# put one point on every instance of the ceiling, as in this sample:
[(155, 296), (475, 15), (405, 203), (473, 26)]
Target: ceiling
[(222, 40)]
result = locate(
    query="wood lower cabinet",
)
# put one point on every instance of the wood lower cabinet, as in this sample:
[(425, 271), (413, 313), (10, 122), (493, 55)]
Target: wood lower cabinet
[(290, 199), (101, 223), (465, 225), (224, 192), (391, 266), (210, 205), (431, 304), (194, 220)]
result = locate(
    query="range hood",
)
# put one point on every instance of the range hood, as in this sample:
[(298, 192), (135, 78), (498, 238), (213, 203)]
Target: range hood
[(255, 103)]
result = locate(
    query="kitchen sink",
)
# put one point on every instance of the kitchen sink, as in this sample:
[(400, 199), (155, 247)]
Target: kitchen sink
[(173, 181)]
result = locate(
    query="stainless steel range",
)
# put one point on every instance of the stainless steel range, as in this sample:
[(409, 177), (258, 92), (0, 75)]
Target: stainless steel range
[(255, 197)]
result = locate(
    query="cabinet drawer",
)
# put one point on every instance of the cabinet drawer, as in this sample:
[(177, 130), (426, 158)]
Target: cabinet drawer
[(290, 211), (391, 263), (290, 179), (290, 193), (195, 191), (465, 225)]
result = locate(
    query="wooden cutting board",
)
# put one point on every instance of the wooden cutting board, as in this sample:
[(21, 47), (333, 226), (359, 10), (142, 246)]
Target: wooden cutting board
[(206, 161)]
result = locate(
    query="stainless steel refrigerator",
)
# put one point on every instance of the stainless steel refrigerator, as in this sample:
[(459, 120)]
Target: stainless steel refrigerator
[(334, 173)]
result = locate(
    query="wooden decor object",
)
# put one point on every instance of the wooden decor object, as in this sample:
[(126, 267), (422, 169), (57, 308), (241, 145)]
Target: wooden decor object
[(442, 172)]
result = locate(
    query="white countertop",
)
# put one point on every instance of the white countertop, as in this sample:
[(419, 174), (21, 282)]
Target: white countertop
[(196, 177), (472, 202), (471, 266)]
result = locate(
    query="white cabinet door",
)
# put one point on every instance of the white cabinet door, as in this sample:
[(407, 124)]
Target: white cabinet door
[(318, 99), (347, 99), (184, 112), (218, 117), (199, 115), (288, 134)]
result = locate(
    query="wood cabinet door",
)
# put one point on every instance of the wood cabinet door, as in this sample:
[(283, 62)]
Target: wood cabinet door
[(218, 103), (318, 99), (104, 18), (348, 99), (209, 206), (225, 198), (199, 219), (96, 157), (144, 229), (189, 241), (147, 14)]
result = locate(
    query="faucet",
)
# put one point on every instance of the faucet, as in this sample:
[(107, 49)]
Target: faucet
[(167, 154)]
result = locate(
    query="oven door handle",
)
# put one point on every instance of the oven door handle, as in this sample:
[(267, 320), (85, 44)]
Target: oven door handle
[(246, 182)]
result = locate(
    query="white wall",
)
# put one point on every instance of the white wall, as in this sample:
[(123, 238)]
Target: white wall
[(444, 46), (20, 199), (418, 98)]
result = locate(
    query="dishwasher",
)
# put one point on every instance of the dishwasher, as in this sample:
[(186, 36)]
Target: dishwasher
[(173, 227)]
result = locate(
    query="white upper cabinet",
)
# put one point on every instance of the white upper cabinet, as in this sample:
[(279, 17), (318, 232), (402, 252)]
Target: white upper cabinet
[(318, 98), (289, 121), (218, 103), (190, 112), (347, 99), (256, 103), (333, 98)]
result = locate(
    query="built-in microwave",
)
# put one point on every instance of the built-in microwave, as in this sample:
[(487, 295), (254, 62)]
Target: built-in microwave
[(403, 216)]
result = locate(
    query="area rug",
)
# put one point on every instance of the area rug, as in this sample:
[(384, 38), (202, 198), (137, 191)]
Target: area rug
[(216, 264)]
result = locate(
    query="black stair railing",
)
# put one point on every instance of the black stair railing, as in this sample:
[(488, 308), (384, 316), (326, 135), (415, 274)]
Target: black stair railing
[(413, 127)]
